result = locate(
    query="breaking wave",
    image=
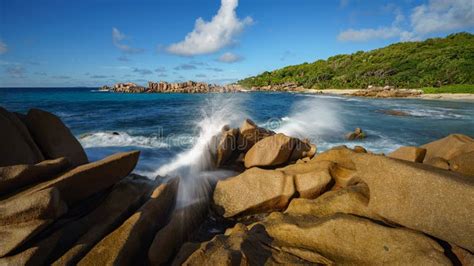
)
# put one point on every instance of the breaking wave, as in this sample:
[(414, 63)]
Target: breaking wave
[(121, 139), (312, 118)]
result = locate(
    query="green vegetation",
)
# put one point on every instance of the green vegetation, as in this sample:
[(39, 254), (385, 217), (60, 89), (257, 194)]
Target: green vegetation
[(431, 63), (461, 88)]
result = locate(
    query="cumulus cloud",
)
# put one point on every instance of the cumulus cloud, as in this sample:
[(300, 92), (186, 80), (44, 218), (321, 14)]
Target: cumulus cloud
[(229, 58), (3, 47), (442, 15), (118, 39), (434, 17), (210, 37), (142, 71)]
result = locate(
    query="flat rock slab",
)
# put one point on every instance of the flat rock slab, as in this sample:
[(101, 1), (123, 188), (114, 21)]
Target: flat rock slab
[(17, 176), (349, 240), (409, 153), (129, 243), (424, 198), (23, 218), (88, 179), (255, 190)]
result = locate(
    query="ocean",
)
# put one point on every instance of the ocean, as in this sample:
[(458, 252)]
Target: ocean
[(172, 130)]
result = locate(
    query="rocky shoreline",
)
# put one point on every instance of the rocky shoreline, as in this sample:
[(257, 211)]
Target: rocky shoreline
[(178, 87), (288, 204), (202, 87)]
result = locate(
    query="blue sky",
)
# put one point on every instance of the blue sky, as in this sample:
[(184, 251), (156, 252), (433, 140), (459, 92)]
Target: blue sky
[(96, 42)]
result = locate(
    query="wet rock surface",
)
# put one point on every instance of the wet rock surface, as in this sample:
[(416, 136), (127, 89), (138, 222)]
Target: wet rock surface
[(287, 204)]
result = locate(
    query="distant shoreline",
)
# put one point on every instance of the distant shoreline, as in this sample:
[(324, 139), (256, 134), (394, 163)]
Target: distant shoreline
[(432, 96)]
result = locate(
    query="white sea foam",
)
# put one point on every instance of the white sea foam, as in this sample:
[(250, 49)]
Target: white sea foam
[(433, 113), (194, 165), (312, 118), (121, 139), (216, 113)]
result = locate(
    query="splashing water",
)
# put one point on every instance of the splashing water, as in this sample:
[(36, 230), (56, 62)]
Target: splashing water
[(195, 166), (120, 139), (312, 119)]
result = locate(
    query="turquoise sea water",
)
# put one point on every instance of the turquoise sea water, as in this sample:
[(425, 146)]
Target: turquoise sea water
[(167, 128)]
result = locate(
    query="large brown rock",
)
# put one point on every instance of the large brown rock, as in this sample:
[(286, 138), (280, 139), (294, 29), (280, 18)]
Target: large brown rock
[(241, 246), (409, 153), (349, 240), (463, 164), (438, 162), (85, 180), (427, 199), (129, 243), (449, 147), (227, 146), (270, 151), (465, 257), (17, 145), (22, 218), (343, 170), (54, 138), (350, 200), (170, 238), (255, 190), (124, 199), (77, 237), (302, 149), (258, 190), (311, 179), (250, 134), (357, 134), (17, 176), (340, 155)]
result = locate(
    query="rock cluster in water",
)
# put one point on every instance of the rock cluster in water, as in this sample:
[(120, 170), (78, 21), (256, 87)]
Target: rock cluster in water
[(179, 87), (387, 92), (288, 204)]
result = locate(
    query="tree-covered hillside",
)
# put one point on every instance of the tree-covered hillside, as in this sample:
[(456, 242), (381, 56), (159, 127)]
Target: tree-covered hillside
[(433, 62)]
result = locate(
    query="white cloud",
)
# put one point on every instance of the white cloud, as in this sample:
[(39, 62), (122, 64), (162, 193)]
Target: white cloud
[(369, 34), (3, 47), (210, 37), (229, 58), (442, 15), (437, 16), (118, 38)]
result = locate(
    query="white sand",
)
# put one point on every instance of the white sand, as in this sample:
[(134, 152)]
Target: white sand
[(436, 96)]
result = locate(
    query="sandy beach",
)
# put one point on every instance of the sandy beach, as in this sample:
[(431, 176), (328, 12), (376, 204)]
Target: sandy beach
[(436, 96)]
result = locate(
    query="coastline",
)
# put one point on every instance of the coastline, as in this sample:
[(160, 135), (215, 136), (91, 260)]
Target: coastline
[(434, 96), (197, 87)]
